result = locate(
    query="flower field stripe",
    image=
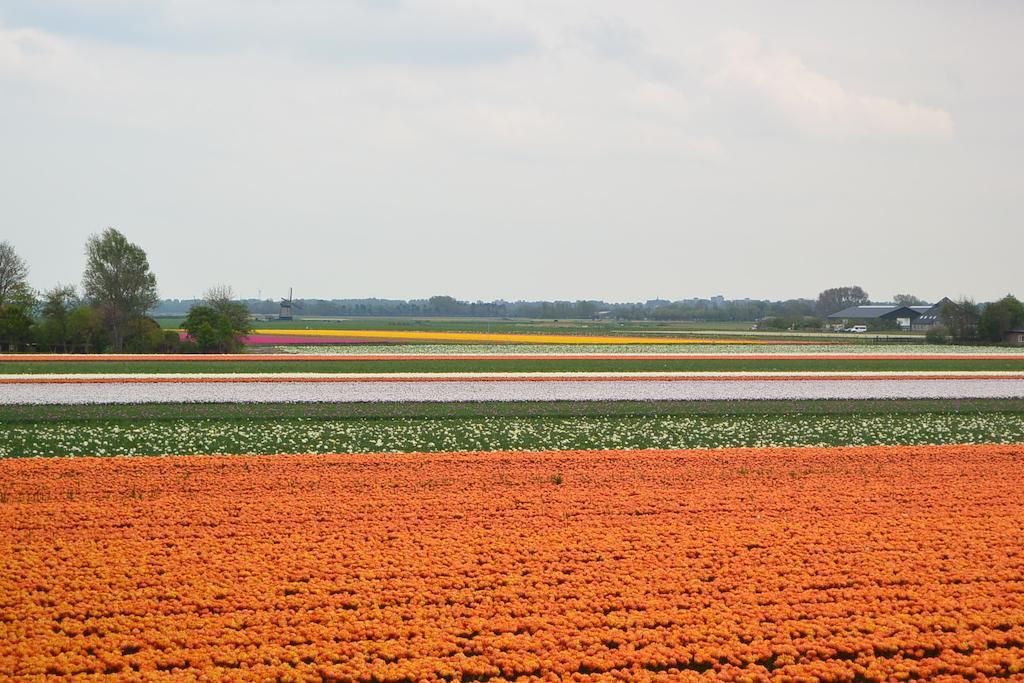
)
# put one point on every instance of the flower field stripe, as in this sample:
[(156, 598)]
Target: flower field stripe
[(341, 358), (832, 564), (509, 338), (189, 429), (740, 376), (441, 390), (276, 339)]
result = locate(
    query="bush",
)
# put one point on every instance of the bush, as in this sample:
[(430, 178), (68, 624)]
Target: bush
[(800, 323), (143, 335), (217, 329), (1000, 317), (171, 342), (15, 327), (960, 318), (937, 335)]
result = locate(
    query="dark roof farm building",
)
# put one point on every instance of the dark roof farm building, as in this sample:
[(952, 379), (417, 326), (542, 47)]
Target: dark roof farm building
[(1015, 336), (903, 315), (929, 315)]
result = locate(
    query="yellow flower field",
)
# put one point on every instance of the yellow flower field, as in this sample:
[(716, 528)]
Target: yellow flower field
[(496, 337)]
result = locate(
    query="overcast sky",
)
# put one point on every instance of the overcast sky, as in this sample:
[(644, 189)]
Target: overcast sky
[(527, 149)]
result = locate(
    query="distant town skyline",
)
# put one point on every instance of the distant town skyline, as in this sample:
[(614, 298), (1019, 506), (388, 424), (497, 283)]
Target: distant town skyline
[(560, 150)]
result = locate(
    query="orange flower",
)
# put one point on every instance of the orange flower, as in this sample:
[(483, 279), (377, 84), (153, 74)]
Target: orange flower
[(882, 563)]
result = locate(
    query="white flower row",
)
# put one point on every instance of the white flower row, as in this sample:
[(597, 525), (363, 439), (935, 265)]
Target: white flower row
[(568, 389), (502, 433)]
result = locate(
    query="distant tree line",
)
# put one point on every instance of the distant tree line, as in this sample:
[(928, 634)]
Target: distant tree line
[(118, 296), (111, 312), (963, 322), (118, 289), (446, 306)]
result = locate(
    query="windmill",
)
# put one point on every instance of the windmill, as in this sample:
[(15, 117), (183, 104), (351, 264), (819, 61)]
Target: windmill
[(286, 307)]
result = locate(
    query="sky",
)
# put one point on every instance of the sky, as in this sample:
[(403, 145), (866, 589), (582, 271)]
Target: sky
[(535, 149)]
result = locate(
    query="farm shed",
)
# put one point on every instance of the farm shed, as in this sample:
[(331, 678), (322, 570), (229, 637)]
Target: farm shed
[(929, 315), (904, 315), (1015, 336)]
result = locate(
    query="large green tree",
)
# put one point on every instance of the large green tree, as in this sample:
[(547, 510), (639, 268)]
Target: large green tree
[(118, 281), (219, 325), (221, 298), (960, 318), (85, 329), (1000, 317), (13, 273), (907, 300), (15, 328), (836, 299), (209, 330), (54, 327)]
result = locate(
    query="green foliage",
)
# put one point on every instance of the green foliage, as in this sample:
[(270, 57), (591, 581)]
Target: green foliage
[(13, 274), (359, 435), (86, 332), (171, 342), (444, 305), (118, 281), (907, 300), (937, 335), (22, 296), (836, 299), (237, 317), (15, 327), (961, 319), (53, 330), (143, 335), (800, 323), (217, 328), (1000, 317), (231, 412)]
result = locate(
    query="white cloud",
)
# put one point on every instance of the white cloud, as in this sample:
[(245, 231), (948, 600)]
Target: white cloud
[(521, 107), (442, 125), (816, 103), (29, 50)]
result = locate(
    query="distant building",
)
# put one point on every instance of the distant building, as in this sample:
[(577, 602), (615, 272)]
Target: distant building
[(1015, 337), (929, 315), (902, 315), (286, 306)]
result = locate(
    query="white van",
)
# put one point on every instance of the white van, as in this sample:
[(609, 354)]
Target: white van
[(859, 328)]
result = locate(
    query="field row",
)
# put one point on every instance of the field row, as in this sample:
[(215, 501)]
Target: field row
[(844, 564), (837, 347), (342, 377), (496, 433), (576, 389), (519, 327), (291, 336), (508, 364), (483, 409)]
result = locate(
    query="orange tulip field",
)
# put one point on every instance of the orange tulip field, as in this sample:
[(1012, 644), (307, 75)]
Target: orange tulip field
[(855, 564)]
